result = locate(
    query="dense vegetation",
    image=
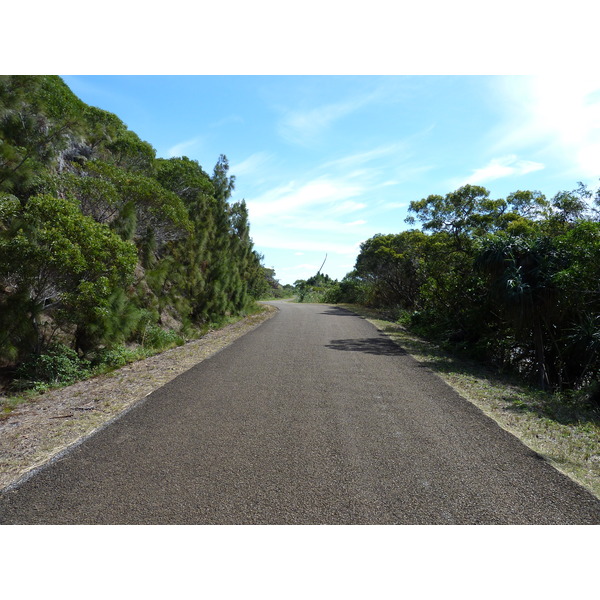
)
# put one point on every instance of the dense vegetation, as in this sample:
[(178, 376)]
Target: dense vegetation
[(513, 282), (317, 288), (105, 247), (101, 242)]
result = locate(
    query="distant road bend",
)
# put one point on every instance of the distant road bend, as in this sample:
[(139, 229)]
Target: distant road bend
[(312, 418)]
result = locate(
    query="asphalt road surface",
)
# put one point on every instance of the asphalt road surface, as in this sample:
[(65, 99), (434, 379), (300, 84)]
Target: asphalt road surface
[(313, 418)]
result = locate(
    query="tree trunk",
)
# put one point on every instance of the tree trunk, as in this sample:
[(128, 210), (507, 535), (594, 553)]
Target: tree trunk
[(540, 358)]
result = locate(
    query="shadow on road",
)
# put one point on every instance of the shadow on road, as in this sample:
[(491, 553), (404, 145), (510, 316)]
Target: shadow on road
[(340, 312), (381, 346)]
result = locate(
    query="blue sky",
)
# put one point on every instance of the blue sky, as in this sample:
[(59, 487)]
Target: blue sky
[(325, 162)]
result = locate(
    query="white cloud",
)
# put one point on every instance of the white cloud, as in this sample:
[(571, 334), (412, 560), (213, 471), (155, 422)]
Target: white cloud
[(505, 166), (348, 206), (251, 164), (393, 205), (293, 273), (331, 209), (182, 147), (394, 159), (325, 226), (558, 115), (362, 158), (290, 199), (305, 243), (303, 126)]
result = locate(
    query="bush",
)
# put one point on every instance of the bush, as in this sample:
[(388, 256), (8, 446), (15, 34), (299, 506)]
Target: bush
[(156, 337), (114, 358), (350, 290), (58, 365)]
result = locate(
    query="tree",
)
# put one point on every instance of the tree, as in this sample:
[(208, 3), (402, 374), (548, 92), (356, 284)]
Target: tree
[(39, 118), (528, 204), (570, 207), (58, 262), (521, 272), (223, 183), (393, 265), (96, 232), (461, 214), (186, 178)]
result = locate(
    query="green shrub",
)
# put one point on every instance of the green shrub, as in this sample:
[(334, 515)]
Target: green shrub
[(113, 358), (58, 365), (156, 337)]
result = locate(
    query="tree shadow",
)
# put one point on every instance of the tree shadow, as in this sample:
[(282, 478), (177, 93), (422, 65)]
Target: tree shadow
[(381, 346), (340, 312), (563, 411)]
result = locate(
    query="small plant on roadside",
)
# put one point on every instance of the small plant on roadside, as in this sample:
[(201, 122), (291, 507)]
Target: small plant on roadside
[(59, 365), (113, 358), (156, 337)]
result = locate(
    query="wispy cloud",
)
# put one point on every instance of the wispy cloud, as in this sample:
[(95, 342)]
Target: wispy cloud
[(345, 207), (227, 121), (282, 240), (385, 165), (291, 198), (335, 206), (399, 150), (394, 205), (296, 272), (331, 212), (311, 216), (505, 166), (304, 126), (307, 120), (250, 165), (182, 147)]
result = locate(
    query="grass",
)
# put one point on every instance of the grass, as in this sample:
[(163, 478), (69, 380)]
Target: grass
[(561, 428)]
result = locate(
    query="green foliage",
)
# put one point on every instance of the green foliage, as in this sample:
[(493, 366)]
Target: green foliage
[(184, 177), (101, 126), (57, 259), (265, 286), (315, 288), (101, 243), (513, 282), (460, 214), (156, 337), (133, 154), (107, 359), (39, 118), (393, 265), (59, 365)]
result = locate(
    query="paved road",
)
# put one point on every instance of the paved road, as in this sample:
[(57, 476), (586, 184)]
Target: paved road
[(313, 418)]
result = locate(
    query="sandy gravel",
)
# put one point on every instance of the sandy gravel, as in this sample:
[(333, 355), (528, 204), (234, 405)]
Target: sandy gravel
[(38, 430)]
